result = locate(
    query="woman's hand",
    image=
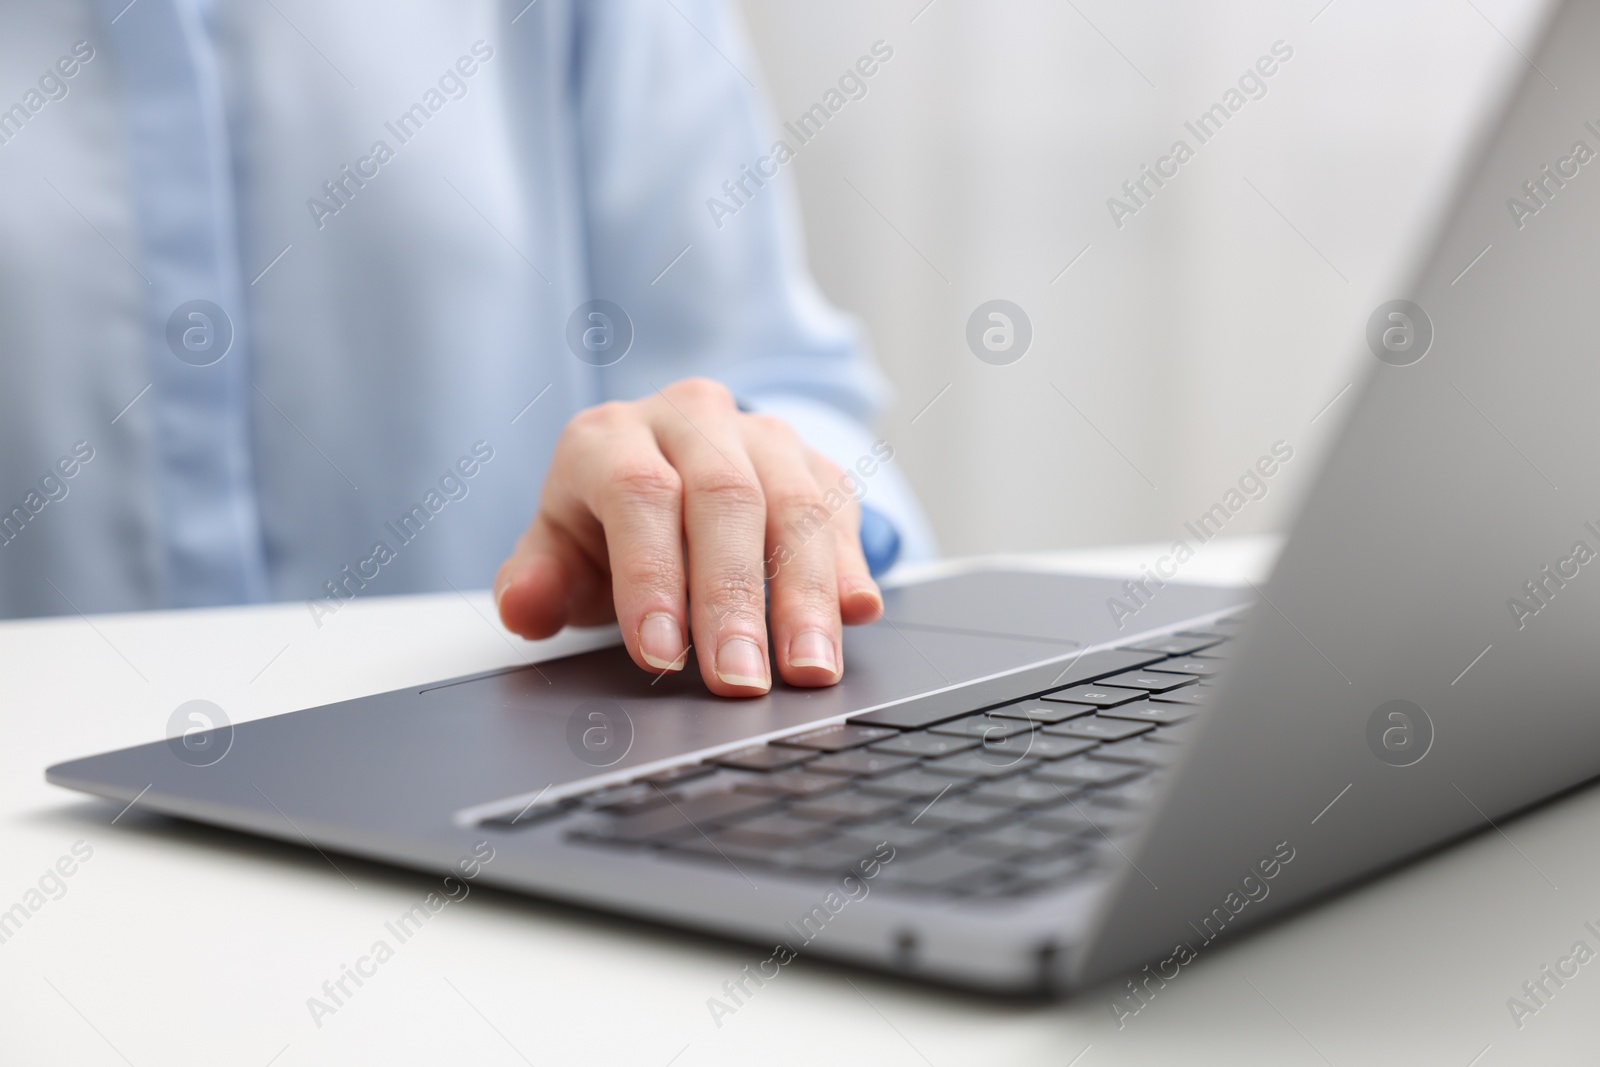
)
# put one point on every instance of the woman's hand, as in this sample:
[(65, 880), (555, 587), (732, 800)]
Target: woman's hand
[(672, 514)]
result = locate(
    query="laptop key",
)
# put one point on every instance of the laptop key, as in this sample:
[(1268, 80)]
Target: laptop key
[(984, 763), (982, 727), (701, 847), (1151, 681), (835, 857), (765, 758), (1086, 772), (1096, 695), (957, 703), (1140, 751), (1199, 666), (1045, 869), (682, 817), (1149, 711), (1018, 792), (1097, 729), (615, 794), (630, 833), (837, 738), (958, 814), (996, 880), (924, 744), (720, 780), (1063, 821), (654, 798), (939, 869), (799, 783), (1192, 697), (775, 831), (1100, 822), (673, 775), (914, 714), (1179, 644), (905, 839), (859, 763), (912, 784), (1178, 733), (1051, 747), (1014, 840), (845, 807), (1139, 793), (1036, 711), (1106, 810)]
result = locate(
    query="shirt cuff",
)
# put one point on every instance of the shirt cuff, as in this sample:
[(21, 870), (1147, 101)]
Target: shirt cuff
[(880, 540)]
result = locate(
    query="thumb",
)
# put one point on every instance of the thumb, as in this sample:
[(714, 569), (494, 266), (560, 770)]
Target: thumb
[(547, 581)]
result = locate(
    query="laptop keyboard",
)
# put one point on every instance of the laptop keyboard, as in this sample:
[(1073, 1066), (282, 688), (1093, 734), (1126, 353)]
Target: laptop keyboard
[(991, 801)]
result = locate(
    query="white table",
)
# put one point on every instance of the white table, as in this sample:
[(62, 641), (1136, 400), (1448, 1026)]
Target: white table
[(175, 944)]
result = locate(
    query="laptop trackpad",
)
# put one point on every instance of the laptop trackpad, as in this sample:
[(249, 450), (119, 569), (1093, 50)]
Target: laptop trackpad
[(400, 761), (528, 728)]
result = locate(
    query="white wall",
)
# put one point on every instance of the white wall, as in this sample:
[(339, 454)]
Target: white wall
[(1205, 328)]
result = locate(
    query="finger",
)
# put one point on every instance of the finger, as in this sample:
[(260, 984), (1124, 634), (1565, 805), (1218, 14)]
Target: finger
[(612, 500), (724, 523), (803, 583), (549, 581), (860, 600), (626, 481)]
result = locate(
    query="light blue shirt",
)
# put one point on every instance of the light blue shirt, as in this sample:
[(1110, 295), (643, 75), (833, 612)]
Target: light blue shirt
[(295, 296)]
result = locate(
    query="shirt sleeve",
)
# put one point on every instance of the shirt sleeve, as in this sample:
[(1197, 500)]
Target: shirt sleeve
[(692, 230)]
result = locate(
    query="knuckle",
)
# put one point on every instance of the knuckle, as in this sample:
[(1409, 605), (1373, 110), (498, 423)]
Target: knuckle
[(705, 392), (597, 421), (738, 592), (812, 613), (728, 488), (656, 483), (809, 591), (772, 426), (799, 502)]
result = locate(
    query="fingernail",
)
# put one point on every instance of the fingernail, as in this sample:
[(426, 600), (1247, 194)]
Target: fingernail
[(661, 642), (504, 581), (812, 648), (868, 589), (740, 661)]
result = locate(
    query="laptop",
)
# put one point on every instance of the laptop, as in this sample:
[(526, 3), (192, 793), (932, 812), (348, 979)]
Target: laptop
[(1020, 785)]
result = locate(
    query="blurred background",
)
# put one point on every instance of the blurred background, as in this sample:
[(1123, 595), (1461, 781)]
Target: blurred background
[(1169, 353)]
